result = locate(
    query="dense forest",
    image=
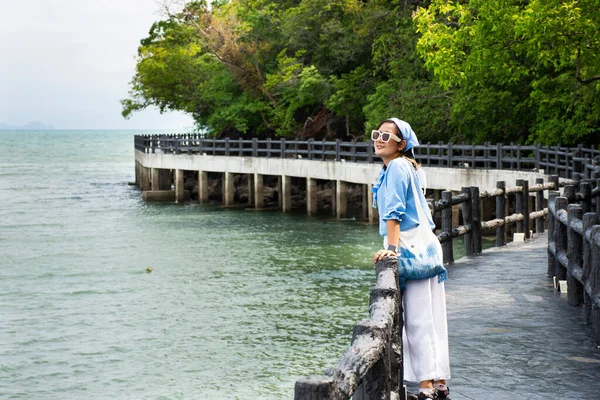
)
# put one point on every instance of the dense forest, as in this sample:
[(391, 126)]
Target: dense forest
[(467, 71)]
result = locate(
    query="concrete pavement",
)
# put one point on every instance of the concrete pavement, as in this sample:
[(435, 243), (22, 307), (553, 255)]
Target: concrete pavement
[(511, 336)]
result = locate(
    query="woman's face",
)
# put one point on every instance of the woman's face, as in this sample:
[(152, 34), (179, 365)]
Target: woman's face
[(390, 149)]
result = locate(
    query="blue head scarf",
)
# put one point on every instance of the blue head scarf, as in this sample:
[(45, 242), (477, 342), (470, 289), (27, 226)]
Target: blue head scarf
[(406, 132)]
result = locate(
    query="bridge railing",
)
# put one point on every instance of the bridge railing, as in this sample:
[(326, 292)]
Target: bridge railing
[(371, 368), (574, 247), (514, 199), (557, 160)]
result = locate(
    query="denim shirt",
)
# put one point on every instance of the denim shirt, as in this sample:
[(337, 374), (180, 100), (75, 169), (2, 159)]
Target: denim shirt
[(394, 197)]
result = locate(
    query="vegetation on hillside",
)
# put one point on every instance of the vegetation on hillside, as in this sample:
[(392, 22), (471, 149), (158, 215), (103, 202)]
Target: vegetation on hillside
[(474, 71)]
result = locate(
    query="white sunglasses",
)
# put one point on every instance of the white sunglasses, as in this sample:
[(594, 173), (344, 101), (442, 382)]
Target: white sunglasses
[(385, 136)]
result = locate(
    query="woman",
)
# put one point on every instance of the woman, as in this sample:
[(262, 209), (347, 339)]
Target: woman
[(401, 204)]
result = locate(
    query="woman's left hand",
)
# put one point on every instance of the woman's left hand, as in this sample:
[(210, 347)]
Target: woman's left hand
[(383, 253)]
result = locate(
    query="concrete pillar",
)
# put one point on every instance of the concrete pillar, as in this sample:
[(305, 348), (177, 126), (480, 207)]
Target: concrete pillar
[(333, 199), (286, 191), (341, 205), (311, 196), (228, 188), (364, 190), (258, 191), (279, 193), (203, 187), (145, 179), (137, 173), (373, 214), (250, 189), (179, 195), (155, 179)]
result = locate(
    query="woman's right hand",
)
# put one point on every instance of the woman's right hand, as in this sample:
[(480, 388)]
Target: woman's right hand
[(383, 253)]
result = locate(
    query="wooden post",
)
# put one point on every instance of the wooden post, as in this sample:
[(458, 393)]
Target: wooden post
[(476, 224), (552, 196), (341, 197), (554, 179), (589, 220), (501, 214), (526, 221), (311, 196), (314, 388), (539, 206), (286, 191), (595, 283), (179, 195), (585, 188), (560, 240), (574, 254), (447, 227), (258, 191), (519, 206), (570, 193), (467, 212), (202, 187)]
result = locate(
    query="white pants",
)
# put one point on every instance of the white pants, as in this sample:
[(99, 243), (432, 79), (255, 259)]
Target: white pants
[(425, 333)]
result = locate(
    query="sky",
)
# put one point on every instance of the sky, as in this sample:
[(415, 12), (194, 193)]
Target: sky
[(67, 63)]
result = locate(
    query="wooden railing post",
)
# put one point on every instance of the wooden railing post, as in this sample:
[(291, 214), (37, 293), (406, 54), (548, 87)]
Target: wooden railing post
[(588, 220), (552, 196), (560, 239), (595, 281), (501, 214), (519, 206), (476, 224), (574, 254), (467, 212), (526, 221), (539, 206), (447, 227), (554, 179), (585, 188)]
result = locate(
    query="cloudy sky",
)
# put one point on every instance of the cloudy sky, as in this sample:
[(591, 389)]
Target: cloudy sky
[(67, 63)]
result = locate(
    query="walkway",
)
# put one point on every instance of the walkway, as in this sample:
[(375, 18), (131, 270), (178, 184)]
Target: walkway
[(511, 335)]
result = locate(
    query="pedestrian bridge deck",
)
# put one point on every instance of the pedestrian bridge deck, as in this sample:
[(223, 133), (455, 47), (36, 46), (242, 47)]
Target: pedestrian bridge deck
[(511, 335)]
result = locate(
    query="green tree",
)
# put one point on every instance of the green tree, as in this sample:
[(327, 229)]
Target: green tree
[(521, 71)]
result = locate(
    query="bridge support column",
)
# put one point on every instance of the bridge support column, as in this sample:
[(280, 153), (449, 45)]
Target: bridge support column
[(145, 179), (161, 179), (179, 195), (341, 196), (250, 189), (258, 191), (202, 187), (373, 216), (137, 173), (286, 191), (311, 196), (228, 188), (279, 190)]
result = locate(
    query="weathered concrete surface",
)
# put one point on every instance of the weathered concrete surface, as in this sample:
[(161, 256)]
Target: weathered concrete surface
[(437, 178), (511, 335)]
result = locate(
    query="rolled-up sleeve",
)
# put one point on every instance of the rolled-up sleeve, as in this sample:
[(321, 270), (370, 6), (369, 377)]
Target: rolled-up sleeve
[(397, 181)]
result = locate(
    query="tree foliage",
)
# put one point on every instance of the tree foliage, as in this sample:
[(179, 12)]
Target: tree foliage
[(463, 70)]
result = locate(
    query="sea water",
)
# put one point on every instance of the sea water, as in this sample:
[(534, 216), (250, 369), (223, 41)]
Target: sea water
[(239, 304)]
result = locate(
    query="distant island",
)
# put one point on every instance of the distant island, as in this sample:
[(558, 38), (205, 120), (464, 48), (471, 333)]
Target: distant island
[(32, 126)]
